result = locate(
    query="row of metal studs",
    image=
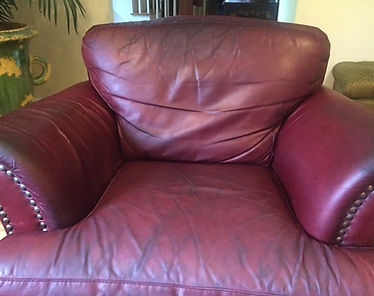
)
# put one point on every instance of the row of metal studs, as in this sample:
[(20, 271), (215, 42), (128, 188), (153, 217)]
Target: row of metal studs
[(351, 213), (6, 221), (28, 195)]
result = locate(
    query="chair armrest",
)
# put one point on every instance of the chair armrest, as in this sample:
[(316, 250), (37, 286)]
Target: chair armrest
[(324, 157), (57, 156)]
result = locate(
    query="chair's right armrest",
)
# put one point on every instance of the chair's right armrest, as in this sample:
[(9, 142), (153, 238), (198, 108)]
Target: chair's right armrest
[(57, 157), (324, 157)]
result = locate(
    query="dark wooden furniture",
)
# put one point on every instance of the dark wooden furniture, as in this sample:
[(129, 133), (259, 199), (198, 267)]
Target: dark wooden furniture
[(252, 8), (185, 7)]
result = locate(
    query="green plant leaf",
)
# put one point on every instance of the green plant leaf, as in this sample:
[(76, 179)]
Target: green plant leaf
[(49, 9), (6, 7), (55, 10)]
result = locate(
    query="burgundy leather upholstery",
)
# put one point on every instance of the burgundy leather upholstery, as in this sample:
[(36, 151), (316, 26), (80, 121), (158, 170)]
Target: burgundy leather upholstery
[(172, 82), (59, 158), (185, 229), (203, 158), (330, 181)]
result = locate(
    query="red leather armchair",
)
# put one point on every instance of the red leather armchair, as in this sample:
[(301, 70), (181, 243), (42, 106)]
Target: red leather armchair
[(203, 157)]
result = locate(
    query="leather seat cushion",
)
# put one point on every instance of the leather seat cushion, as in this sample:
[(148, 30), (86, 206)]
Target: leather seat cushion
[(185, 229)]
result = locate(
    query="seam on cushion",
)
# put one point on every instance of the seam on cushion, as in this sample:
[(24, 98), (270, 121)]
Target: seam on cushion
[(93, 70), (98, 204), (204, 111), (124, 282)]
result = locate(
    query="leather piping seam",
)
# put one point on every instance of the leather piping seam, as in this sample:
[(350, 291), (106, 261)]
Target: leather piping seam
[(142, 284), (352, 213), (8, 227)]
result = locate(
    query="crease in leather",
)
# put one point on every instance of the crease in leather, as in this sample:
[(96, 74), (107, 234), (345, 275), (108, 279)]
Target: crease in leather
[(264, 130), (249, 83), (144, 284), (205, 111), (251, 148), (125, 142), (137, 127)]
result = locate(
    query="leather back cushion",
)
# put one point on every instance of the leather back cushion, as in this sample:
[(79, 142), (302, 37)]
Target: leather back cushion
[(204, 89)]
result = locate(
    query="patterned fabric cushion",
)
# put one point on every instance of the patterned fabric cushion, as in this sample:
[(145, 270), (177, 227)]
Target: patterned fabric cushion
[(354, 79), (367, 102)]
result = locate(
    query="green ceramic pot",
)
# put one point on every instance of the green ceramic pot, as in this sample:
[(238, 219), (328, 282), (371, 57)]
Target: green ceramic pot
[(16, 80)]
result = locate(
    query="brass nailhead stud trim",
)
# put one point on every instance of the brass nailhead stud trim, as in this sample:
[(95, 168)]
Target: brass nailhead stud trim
[(352, 212), (341, 232), (363, 195), (28, 194), (345, 224), (10, 173), (6, 221), (357, 203), (349, 217)]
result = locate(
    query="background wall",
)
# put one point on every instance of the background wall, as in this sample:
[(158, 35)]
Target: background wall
[(287, 10), (349, 25), (62, 50)]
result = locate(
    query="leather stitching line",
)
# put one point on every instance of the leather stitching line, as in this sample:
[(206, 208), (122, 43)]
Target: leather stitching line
[(159, 285)]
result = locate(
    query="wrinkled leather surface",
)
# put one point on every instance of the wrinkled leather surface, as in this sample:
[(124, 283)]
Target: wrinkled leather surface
[(65, 150), (191, 229), (185, 229), (324, 158), (175, 82)]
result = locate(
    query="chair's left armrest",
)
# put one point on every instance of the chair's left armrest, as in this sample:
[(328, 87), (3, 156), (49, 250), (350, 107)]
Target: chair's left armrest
[(57, 157), (324, 157)]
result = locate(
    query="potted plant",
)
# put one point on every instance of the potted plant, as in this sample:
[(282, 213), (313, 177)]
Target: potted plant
[(16, 81), (48, 8)]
